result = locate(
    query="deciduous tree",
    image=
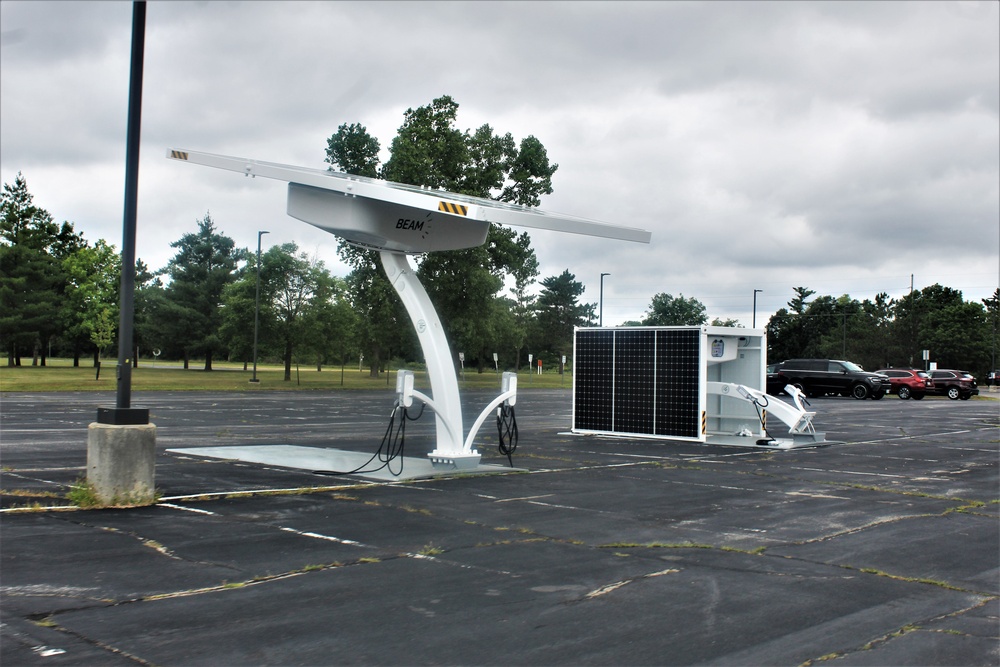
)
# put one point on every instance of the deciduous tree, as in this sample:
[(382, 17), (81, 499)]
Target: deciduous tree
[(668, 310)]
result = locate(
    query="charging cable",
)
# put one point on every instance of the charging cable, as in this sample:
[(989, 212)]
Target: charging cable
[(507, 431), (391, 447)]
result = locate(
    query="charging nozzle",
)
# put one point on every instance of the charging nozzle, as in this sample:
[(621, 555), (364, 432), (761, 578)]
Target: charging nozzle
[(404, 388), (509, 384)]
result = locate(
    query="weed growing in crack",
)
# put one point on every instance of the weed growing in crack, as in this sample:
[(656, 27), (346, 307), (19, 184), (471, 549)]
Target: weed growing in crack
[(430, 550)]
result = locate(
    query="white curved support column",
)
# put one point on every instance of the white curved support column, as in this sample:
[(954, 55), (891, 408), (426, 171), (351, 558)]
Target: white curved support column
[(446, 405)]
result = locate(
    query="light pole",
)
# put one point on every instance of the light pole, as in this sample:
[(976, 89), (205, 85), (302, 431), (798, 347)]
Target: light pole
[(600, 321), (754, 324), (256, 311)]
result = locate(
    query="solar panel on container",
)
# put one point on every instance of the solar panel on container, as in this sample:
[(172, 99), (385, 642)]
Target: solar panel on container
[(638, 381), (678, 374), (593, 396), (635, 381)]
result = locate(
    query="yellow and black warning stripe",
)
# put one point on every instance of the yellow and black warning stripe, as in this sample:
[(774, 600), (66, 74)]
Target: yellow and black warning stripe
[(704, 422), (453, 208), (178, 155)]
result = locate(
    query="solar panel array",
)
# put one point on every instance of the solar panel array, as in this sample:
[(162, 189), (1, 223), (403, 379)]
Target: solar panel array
[(638, 381)]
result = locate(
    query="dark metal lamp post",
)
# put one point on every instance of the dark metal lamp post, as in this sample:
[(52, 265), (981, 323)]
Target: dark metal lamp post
[(256, 310), (601, 316), (754, 324)]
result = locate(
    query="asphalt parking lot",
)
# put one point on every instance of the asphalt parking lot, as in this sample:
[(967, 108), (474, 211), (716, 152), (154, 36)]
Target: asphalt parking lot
[(882, 549)]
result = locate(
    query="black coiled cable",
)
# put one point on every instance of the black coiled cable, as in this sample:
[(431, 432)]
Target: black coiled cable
[(390, 449), (757, 406), (507, 431)]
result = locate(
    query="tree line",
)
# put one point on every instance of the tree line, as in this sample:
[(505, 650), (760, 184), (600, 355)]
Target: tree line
[(886, 332), (59, 292), (879, 333)]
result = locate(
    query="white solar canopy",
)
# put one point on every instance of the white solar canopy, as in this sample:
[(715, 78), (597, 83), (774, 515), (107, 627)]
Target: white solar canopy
[(397, 217)]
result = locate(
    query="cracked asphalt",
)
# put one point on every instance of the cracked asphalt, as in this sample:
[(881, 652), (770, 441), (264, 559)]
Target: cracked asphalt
[(882, 549)]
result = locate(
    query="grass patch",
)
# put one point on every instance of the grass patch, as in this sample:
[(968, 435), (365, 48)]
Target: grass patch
[(28, 493), (60, 375), (679, 545), (915, 580), (84, 495), (430, 550)]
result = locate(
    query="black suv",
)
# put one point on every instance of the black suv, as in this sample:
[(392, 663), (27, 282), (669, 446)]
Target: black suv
[(818, 377), (954, 384)]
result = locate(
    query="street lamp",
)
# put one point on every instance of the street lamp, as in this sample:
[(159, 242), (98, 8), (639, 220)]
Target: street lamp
[(754, 325), (256, 311), (601, 316)]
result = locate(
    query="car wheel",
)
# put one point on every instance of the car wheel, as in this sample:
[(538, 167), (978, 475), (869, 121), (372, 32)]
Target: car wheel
[(953, 393), (859, 391), (905, 393), (917, 397)]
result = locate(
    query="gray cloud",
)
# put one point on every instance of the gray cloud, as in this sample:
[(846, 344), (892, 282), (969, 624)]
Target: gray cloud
[(839, 146)]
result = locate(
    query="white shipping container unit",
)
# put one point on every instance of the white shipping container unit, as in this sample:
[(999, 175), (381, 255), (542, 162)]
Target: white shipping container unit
[(695, 383)]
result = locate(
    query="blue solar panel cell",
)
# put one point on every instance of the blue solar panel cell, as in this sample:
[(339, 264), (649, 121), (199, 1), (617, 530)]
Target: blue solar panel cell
[(638, 381)]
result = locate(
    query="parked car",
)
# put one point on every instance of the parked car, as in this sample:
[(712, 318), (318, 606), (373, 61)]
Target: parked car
[(818, 377), (954, 384), (908, 382), (993, 378)]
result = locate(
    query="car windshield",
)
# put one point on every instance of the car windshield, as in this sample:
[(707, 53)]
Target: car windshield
[(852, 367)]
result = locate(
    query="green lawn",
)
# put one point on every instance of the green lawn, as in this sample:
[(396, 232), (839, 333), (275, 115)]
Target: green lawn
[(60, 375)]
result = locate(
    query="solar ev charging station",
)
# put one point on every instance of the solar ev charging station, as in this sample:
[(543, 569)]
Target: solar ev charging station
[(398, 220)]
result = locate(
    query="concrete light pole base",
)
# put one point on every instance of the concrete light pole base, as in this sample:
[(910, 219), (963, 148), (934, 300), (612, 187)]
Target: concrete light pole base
[(120, 463)]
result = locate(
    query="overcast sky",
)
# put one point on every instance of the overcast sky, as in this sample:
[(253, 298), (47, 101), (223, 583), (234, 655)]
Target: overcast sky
[(837, 146)]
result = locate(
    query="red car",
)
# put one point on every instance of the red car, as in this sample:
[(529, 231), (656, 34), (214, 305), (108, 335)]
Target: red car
[(908, 382), (954, 384)]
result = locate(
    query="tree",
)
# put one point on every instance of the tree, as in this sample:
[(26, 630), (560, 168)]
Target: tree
[(288, 281), (667, 310), (957, 335), (32, 247), (301, 307), (330, 322), (914, 317), (353, 150), (870, 333), (206, 261), (148, 288), (429, 150), (558, 311), (992, 306), (522, 306), (91, 303), (786, 338), (382, 322)]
